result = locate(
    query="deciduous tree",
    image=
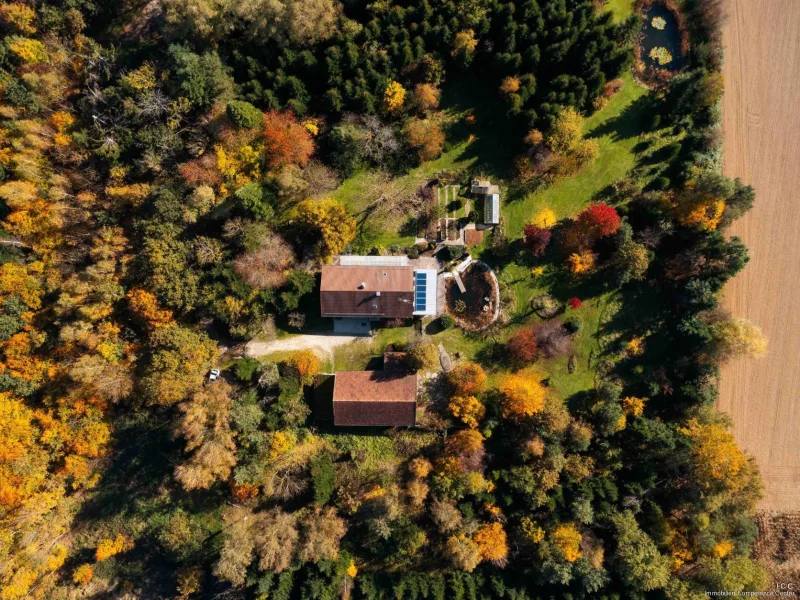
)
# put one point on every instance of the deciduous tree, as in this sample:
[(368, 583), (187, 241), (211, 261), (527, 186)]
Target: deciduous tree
[(467, 379), (492, 544), (268, 265), (536, 239), (523, 346), (322, 530), (205, 424), (328, 221), (426, 137), (523, 395), (286, 141), (468, 409)]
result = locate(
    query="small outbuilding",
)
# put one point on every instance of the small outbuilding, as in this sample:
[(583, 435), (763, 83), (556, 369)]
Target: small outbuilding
[(491, 200)]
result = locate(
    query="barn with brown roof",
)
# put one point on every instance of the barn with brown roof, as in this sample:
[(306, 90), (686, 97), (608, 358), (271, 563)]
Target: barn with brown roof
[(386, 398)]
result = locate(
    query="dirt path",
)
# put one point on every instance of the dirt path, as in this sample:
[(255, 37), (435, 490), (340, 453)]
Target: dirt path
[(322, 344), (762, 147)]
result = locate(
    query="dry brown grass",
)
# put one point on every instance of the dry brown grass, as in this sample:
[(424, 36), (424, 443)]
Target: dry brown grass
[(778, 544), (762, 147)]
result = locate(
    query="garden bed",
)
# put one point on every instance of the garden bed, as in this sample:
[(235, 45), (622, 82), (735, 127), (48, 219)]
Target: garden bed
[(470, 309), (662, 48)]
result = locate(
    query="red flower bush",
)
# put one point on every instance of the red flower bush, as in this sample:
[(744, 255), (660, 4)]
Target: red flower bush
[(536, 239), (574, 302)]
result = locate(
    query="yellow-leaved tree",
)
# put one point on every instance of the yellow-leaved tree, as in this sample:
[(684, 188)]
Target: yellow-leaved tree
[(468, 409), (523, 395), (327, 220), (567, 130), (716, 456), (568, 540), (393, 96), (492, 544)]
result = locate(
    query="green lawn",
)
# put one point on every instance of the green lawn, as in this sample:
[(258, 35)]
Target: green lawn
[(616, 129), (621, 9), (485, 147)]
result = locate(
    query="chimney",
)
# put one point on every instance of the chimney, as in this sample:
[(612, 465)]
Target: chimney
[(363, 285)]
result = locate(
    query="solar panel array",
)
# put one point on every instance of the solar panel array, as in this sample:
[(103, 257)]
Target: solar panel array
[(420, 290)]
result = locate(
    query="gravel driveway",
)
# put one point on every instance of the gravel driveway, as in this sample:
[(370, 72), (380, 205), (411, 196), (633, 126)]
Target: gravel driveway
[(322, 344)]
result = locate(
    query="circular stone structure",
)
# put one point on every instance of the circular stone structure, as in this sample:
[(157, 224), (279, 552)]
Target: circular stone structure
[(479, 300)]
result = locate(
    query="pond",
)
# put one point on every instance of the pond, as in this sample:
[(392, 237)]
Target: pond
[(660, 30)]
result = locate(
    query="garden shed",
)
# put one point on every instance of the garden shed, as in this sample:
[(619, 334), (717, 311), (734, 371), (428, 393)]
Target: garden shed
[(491, 200)]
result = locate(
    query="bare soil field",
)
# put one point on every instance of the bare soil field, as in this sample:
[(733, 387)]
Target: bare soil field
[(762, 147)]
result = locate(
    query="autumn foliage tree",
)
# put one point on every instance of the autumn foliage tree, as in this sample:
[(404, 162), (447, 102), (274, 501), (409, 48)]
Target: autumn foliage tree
[(426, 137), (523, 395), (286, 141), (523, 346), (598, 220), (466, 447), (180, 359), (536, 239), (492, 543), (732, 338), (426, 97), (268, 265), (718, 460), (306, 362), (328, 222), (205, 424), (468, 409), (467, 379), (568, 540)]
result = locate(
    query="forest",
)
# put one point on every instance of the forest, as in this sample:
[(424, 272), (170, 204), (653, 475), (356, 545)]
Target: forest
[(173, 176)]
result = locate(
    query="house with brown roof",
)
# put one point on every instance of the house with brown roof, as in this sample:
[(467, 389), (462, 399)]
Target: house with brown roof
[(385, 398), (357, 290)]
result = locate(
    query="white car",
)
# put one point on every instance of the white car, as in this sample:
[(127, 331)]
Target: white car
[(213, 375)]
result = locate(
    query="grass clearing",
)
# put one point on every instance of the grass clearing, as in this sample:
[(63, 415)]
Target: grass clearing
[(485, 146), (616, 129), (621, 9)]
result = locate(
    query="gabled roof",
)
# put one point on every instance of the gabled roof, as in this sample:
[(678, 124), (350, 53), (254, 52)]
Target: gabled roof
[(338, 278), (359, 291), (385, 398)]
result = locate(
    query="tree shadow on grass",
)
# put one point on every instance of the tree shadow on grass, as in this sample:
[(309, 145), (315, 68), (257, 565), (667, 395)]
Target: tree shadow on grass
[(626, 125), (496, 137)]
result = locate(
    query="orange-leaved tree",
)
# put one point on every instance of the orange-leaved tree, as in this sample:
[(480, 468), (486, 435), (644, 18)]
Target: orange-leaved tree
[(306, 362), (286, 140), (467, 379), (492, 544)]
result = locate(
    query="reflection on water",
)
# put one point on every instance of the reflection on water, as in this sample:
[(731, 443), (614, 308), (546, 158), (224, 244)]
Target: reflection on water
[(669, 38)]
